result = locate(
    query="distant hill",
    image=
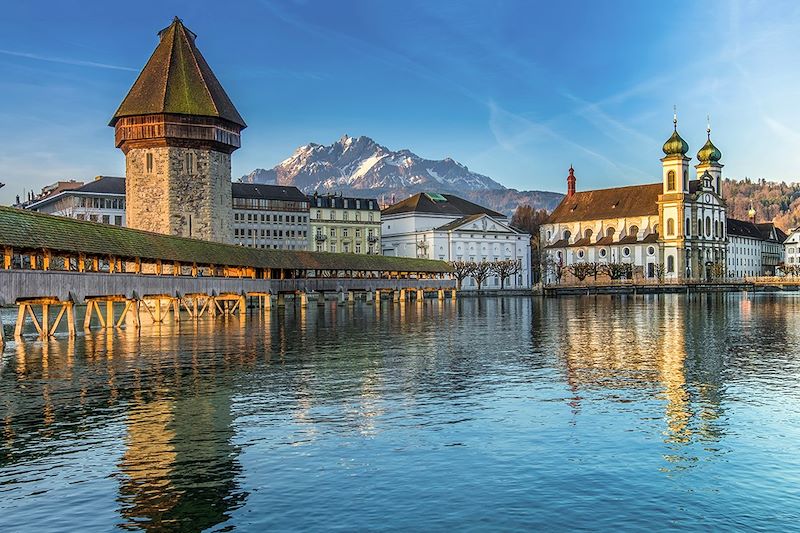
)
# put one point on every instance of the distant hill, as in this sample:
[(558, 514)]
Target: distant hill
[(778, 202), (359, 166)]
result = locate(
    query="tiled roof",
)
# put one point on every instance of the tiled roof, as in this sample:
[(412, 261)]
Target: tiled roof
[(447, 204), (766, 229), (104, 185), (632, 201), (24, 229), (267, 192), (177, 80), (743, 228)]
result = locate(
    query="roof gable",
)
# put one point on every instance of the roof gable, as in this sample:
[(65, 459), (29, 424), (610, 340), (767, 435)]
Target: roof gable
[(479, 222)]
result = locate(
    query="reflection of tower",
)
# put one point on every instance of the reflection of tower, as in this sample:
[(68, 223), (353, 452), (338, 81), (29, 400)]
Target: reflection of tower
[(673, 371), (180, 466), (178, 128)]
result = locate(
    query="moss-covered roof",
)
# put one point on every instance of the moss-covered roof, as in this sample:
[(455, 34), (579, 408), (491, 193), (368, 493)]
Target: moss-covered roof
[(30, 230), (177, 80)]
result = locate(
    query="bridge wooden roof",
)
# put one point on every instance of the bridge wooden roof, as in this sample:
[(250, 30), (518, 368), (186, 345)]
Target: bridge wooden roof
[(29, 230)]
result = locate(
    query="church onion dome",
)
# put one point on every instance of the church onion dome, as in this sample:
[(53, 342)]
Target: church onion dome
[(709, 153), (675, 145)]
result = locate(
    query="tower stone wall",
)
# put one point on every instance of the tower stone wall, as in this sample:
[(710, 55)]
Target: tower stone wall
[(167, 196)]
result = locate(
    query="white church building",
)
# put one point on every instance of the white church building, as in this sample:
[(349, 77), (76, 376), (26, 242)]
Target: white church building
[(449, 228), (676, 227)]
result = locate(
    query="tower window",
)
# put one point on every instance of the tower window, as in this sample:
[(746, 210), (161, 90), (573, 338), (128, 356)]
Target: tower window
[(670, 226), (190, 163), (671, 180), (149, 162), (670, 264)]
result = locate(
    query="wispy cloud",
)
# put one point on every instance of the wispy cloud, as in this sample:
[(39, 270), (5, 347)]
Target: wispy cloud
[(65, 61)]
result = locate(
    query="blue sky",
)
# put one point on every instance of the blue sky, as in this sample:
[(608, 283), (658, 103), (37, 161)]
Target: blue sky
[(514, 90)]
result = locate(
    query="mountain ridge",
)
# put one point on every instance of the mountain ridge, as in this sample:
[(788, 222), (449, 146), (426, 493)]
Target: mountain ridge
[(359, 166)]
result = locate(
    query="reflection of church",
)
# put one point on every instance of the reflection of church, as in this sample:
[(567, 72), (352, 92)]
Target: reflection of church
[(676, 226), (627, 353)]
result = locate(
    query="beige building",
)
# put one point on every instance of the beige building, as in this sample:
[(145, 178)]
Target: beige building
[(344, 225)]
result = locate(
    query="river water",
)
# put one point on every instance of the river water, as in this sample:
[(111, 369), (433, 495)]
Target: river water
[(667, 412)]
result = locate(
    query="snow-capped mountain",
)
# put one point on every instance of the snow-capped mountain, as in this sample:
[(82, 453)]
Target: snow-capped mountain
[(361, 163), (359, 166)]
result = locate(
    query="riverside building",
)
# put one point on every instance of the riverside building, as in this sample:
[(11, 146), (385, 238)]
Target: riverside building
[(101, 200), (270, 216), (344, 225), (449, 228), (676, 226)]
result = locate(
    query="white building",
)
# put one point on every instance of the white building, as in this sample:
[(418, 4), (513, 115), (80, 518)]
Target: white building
[(101, 200), (270, 216), (744, 249), (449, 228), (675, 226), (792, 248)]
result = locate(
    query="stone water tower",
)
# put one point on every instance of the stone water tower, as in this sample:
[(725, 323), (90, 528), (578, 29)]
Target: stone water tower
[(178, 128)]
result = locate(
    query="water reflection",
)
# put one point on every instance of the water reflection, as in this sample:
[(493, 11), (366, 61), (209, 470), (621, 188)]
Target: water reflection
[(195, 423)]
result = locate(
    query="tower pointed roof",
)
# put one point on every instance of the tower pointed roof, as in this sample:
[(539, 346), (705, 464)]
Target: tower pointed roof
[(177, 80)]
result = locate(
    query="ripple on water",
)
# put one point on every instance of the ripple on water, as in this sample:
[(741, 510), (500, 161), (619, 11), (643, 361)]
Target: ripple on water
[(601, 412)]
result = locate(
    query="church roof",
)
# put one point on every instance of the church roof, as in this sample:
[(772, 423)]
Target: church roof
[(618, 202), (177, 80)]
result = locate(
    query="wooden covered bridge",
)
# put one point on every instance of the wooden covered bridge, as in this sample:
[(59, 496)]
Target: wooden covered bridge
[(51, 263)]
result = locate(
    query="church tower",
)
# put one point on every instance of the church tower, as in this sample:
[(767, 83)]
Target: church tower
[(709, 157), (672, 205), (178, 129)]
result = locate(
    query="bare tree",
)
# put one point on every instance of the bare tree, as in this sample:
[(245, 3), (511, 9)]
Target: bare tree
[(551, 266), (582, 270), (461, 270), (504, 268), (480, 271), (660, 270), (618, 270)]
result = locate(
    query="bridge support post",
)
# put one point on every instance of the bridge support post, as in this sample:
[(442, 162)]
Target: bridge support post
[(321, 299), (453, 293), (281, 300), (351, 297), (303, 299), (395, 296), (403, 296), (440, 294), (370, 296), (340, 296), (45, 329), (378, 296), (420, 296)]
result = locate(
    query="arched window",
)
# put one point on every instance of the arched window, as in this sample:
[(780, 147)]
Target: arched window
[(688, 229), (699, 227), (685, 180), (655, 229), (670, 226), (670, 264), (671, 180), (633, 230), (610, 232), (708, 226), (567, 234), (587, 234)]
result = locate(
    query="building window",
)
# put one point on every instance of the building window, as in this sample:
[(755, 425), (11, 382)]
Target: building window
[(117, 220), (651, 251), (671, 180), (344, 232), (149, 162), (670, 226), (708, 226), (190, 163), (581, 254), (603, 252), (670, 264), (345, 216), (626, 251)]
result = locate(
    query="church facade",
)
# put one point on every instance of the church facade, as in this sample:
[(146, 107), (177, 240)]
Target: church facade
[(673, 229)]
